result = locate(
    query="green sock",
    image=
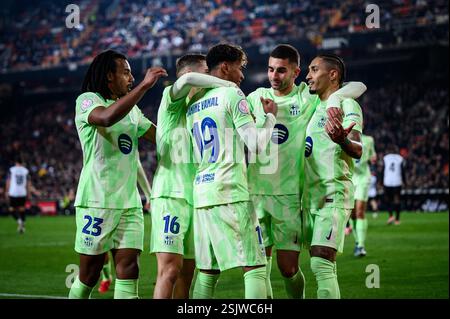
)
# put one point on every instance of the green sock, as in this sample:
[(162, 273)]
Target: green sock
[(326, 277), (79, 290), (295, 285), (255, 283), (361, 229), (205, 284), (126, 289), (355, 234), (106, 271), (268, 282)]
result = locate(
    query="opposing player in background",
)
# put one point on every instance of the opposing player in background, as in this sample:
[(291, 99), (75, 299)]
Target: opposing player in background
[(106, 273), (108, 206), (226, 229), (18, 190), (276, 179), (172, 203), (361, 181), (330, 149), (393, 180)]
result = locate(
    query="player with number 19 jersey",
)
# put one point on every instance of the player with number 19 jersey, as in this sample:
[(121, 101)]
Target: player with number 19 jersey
[(221, 176), (226, 229)]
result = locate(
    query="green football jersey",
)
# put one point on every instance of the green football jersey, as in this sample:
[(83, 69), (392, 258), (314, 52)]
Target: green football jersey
[(109, 175), (276, 171), (361, 173), (328, 169), (175, 172), (221, 176)]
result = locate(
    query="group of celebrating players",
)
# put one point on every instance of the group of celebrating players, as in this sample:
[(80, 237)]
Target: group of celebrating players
[(237, 175)]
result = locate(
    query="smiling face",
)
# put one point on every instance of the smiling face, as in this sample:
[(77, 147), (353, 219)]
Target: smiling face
[(121, 81), (319, 77), (282, 74)]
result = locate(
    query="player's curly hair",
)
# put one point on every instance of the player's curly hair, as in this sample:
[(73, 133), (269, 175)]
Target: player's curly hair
[(96, 79), (224, 53)]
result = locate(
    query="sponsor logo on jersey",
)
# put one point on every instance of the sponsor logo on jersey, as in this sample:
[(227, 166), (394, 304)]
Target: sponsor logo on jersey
[(86, 104), (308, 146), (205, 178), (322, 122), (294, 110), (125, 144), (243, 106), (280, 134)]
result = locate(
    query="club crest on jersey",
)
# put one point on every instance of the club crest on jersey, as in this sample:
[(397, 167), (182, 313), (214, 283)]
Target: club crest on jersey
[(322, 122), (308, 146), (125, 144), (88, 241), (168, 240), (86, 104), (294, 110), (243, 107), (280, 134)]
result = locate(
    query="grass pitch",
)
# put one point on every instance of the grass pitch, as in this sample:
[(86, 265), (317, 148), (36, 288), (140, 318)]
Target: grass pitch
[(412, 260)]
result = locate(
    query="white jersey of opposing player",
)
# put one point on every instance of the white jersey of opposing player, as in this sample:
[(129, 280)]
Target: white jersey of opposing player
[(392, 170), (18, 181), (373, 186)]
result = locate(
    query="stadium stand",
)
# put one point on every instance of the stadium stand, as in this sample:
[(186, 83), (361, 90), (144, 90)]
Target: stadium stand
[(404, 64)]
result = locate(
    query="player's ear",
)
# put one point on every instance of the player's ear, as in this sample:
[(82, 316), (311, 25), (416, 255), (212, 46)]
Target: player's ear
[(333, 75), (224, 67), (110, 76), (297, 72)]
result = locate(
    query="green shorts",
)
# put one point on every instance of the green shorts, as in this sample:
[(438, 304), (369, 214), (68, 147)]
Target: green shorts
[(227, 236), (326, 227), (100, 230), (362, 191), (171, 232), (280, 219)]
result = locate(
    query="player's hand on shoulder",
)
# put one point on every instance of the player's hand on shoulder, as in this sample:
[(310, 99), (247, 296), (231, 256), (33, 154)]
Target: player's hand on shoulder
[(269, 106), (152, 76)]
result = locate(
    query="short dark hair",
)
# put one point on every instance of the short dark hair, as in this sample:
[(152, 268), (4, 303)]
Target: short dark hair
[(96, 79), (224, 53), (191, 59), (286, 51), (335, 62)]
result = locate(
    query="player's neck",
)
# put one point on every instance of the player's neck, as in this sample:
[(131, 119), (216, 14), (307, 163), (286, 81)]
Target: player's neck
[(328, 91), (285, 91)]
